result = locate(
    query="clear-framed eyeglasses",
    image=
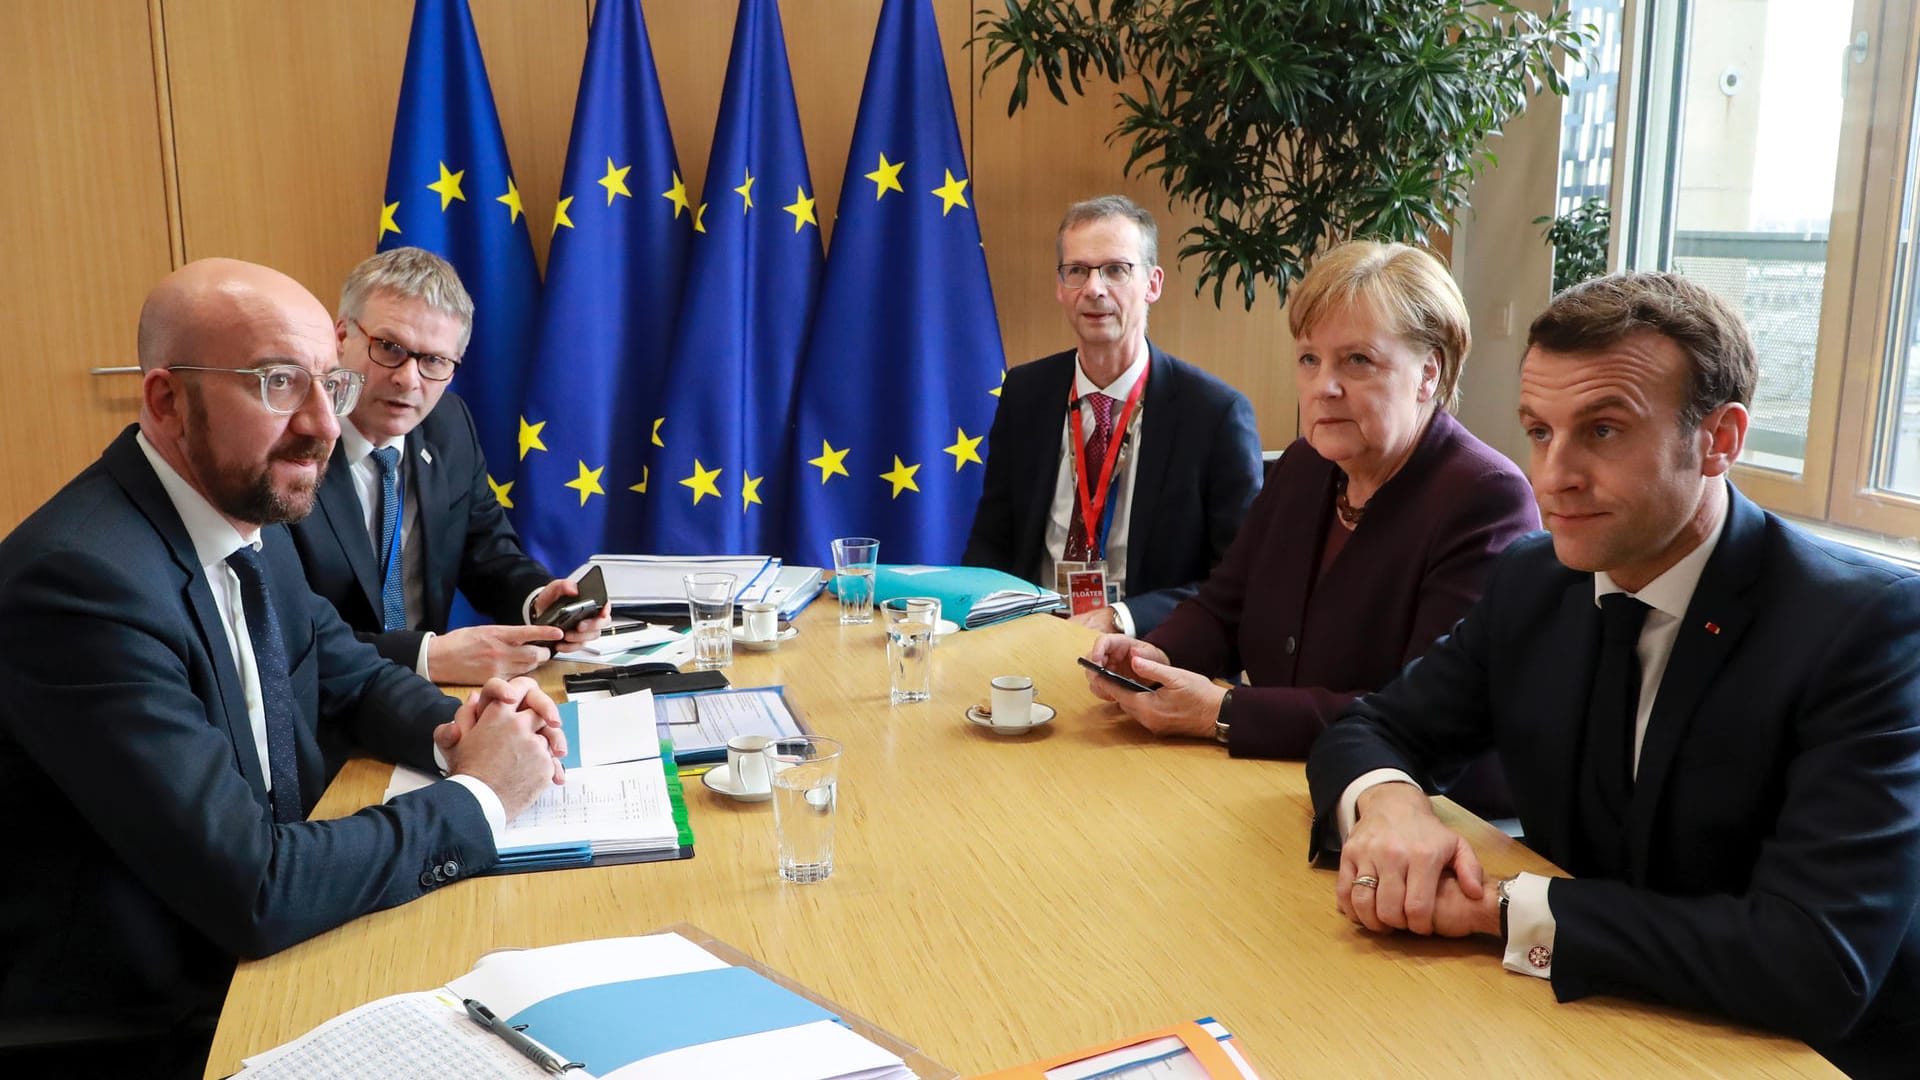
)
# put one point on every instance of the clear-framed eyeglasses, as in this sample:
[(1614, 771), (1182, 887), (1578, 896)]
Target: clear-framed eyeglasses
[(392, 354), (1074, 275), (284, 387)]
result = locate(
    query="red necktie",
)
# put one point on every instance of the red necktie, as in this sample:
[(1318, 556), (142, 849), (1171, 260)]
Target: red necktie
[(1079, 548)]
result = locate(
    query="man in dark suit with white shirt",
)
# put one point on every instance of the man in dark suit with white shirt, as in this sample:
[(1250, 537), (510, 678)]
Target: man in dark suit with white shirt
[(1708, 717), (409, 463), (178, 700), (1183, 455)]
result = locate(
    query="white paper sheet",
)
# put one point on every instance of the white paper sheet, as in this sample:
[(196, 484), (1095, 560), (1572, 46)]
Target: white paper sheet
[(404, 1037), (615, 729), (510, 980)]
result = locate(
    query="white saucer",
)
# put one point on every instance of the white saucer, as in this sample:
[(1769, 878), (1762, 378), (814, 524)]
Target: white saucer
[(944, 627), (720, 779), (1041, 714), (752, 645)]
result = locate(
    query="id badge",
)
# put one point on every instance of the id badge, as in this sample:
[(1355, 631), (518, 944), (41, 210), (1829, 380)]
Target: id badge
[(1087, 589)]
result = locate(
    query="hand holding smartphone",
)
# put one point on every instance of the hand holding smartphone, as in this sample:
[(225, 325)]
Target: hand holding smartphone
[(1114, 676)]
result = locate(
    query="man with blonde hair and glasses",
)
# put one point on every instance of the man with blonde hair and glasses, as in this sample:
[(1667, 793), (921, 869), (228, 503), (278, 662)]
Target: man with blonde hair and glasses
[(178, 700), (1115, 472), (406, 513)]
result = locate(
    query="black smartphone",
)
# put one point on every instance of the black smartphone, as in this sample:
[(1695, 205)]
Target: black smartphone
[(1131, 684), (569, 612)]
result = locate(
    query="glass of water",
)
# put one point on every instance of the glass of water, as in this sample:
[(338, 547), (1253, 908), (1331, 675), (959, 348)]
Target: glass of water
[(855, 558), (710, 604), (910, 622), (806, 792)]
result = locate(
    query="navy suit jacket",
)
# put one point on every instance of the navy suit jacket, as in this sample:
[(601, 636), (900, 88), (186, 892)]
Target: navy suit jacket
[(1198, 470), (468, 544), (1773, 840), (145, 858), (1311, 643)]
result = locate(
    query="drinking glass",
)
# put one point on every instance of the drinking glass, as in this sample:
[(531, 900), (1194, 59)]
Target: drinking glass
[(710, 605)]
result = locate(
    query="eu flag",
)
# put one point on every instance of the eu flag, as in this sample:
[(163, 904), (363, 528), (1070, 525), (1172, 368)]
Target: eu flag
[(719, 483), (904, 361), (450, 189), (620, 237)]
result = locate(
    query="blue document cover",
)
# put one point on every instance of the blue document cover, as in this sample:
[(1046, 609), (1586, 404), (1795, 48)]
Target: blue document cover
[(973, 596), (614, 1025)]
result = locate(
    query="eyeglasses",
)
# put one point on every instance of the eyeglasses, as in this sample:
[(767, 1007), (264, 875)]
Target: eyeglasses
[(284, 387), (1074, 275), (392, 354)]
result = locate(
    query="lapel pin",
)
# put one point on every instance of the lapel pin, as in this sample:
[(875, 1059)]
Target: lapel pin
[(1713, 628), (426, 456)]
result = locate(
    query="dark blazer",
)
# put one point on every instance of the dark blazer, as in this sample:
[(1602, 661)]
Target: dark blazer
[(468, 543), (1773, 841), (1415, 563), (1198, 469), (145, 858)]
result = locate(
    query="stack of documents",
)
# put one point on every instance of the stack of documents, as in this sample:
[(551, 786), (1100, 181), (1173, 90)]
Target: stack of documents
[(698, 725), (637, 1008), (1202, 1050), (654, 585), (973, 596), (622, 801)]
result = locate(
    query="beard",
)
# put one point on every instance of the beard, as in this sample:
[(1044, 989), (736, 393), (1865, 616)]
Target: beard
[(245, 491)]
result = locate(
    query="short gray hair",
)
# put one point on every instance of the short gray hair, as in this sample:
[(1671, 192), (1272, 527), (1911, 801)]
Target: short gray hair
[(1111, 206), (410, 273)]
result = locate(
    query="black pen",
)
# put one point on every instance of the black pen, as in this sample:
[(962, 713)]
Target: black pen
[(518, 1038)]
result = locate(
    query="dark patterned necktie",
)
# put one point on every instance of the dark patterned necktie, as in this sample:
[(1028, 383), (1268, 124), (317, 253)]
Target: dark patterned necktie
[(1079, 546), (1613, 707), (393, 598), (276, 684)]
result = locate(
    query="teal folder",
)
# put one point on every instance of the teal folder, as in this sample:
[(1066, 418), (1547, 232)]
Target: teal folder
[(972, 596)]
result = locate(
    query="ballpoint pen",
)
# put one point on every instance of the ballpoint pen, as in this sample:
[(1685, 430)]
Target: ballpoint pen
[(517, 1038)]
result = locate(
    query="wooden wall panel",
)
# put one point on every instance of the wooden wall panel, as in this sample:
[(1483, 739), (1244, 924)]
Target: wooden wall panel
[(85, 228)]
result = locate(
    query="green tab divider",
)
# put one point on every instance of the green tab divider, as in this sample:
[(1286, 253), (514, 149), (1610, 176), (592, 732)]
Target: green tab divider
[(676, 793)]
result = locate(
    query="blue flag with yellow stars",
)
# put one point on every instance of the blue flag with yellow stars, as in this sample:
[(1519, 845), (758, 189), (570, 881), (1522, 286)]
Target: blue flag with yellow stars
[(450, 189), (620, 234), (718, 485), (904, 362)]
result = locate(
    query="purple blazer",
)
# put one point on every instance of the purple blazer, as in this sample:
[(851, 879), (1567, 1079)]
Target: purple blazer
[(1417, 561)]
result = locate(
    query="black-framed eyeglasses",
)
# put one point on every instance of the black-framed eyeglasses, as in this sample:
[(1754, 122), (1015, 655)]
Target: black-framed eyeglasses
[(1074, 275), (391, 354), (284, 387)]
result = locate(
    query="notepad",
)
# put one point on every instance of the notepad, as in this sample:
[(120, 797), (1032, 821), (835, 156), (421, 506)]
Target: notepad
[(641, 1008)]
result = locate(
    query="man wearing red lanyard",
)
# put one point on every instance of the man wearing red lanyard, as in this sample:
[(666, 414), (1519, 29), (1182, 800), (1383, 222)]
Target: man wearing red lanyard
[(1155, 461)]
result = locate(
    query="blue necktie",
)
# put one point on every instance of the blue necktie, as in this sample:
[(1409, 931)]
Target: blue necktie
[(393, 599), (276, 685)]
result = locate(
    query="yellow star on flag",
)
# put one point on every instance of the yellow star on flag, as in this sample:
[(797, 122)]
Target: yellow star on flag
[(588, 482), (802, 210), (886, 178), (500, 491), (702, 482), (699, 219), (645, 474), (615, 181), (387, 224), (1003, 383), (745, 191), (677, 195), (512, 199), (749, 491), (448, 187), (657, 421), (901, 477), (965, 449), (560, 214), (830, 461), (530, 437), (951, 193)]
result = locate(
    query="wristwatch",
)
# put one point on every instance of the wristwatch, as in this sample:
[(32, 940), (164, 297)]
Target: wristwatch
[(1220, 720), (1506, 897)]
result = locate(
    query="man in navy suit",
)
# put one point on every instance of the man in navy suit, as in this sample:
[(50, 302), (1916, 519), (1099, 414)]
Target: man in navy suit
[(178, 700), (1178, 446), (1709, 717), (409, 463)]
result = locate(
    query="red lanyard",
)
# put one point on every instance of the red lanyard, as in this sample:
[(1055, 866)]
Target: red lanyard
[(1091, 505)]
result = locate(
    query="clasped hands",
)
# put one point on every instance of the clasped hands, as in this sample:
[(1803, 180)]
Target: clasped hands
[(477, 653), (1426, 876), (1187, 702), (507, 735)]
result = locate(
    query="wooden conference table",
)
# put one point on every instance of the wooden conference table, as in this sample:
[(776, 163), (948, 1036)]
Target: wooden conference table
[(999, 899)]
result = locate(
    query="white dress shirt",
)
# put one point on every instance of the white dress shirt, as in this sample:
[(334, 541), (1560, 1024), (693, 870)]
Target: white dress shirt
[(1066, 507), (1530, 922), (214, 538)]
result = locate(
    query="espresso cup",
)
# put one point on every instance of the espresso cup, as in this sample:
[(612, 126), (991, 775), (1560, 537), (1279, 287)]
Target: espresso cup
[(750, 764), (759, 622), (1012, 701)]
